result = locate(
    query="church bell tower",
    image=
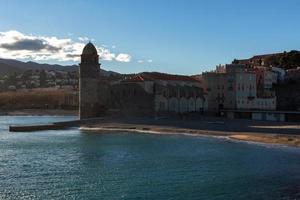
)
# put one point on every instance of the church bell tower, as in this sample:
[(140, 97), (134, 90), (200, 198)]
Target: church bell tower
[(89, 74)]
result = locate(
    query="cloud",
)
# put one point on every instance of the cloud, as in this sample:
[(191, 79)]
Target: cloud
[(83, 39), (142, 61), (122, 57), (30, 45), (16, 45), (105, 54)]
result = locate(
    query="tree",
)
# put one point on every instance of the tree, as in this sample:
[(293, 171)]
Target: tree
[(43, 77), (11, 80)]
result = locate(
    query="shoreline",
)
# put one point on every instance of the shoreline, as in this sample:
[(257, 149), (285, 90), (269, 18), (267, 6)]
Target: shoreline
[(282, 133), (39, 112), (279, 139)]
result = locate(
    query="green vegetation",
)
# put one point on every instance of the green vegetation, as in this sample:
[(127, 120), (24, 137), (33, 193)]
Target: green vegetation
[(286, 60)]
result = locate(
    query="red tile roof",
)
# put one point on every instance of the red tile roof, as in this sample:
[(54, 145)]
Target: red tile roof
[(151, 76), (136, 78)]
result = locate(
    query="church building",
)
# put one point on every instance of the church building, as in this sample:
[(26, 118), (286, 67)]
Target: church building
[(143, 94)]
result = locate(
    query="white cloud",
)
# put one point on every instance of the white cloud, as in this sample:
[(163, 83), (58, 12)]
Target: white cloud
[(142, 61), (16, 45), (83, 39), (122, 57), (105, 54), (113, 46)]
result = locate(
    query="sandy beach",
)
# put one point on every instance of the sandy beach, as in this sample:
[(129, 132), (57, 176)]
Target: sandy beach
[(244, 130)]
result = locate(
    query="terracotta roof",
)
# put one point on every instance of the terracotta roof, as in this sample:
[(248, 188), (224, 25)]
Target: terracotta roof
[(151, 76), (136, 78)]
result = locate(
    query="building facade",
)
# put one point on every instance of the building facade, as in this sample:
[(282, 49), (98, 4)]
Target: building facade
[(153, 93), (236, 88)]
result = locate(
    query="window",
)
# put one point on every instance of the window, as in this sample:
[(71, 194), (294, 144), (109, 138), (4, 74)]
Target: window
[(161, 105), (164, 93), (183, 93)]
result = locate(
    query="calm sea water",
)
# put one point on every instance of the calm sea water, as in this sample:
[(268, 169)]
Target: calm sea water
[(71, 164)]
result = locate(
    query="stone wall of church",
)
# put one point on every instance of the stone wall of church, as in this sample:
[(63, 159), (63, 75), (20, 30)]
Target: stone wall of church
[(88, 98), (89, 76), (178, 99), (130, 99)]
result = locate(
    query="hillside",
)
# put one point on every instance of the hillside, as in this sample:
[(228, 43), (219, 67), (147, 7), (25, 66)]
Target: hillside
[(286, 60), (8, 69), (10, 66)]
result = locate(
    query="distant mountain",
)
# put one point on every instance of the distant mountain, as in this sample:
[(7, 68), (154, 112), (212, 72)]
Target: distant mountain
[(8, 69), (10, 66)]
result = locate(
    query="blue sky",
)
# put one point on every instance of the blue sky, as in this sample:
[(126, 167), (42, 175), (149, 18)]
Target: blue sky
[(174, 36)]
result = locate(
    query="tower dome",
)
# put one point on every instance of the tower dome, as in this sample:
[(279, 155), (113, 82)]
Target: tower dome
[(89, 54), (89, 49)]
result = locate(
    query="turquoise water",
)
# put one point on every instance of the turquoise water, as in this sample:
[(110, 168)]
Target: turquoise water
[(75, 165)]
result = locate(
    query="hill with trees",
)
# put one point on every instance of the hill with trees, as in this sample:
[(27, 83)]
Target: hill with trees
[(286, 60)]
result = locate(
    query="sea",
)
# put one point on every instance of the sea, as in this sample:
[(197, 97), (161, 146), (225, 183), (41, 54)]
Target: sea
[(73, 164)]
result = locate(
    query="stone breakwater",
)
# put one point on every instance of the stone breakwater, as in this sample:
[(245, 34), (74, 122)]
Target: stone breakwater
[(53, 126)]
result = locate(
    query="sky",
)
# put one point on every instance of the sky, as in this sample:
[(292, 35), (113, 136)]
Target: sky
[(171, 36)]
